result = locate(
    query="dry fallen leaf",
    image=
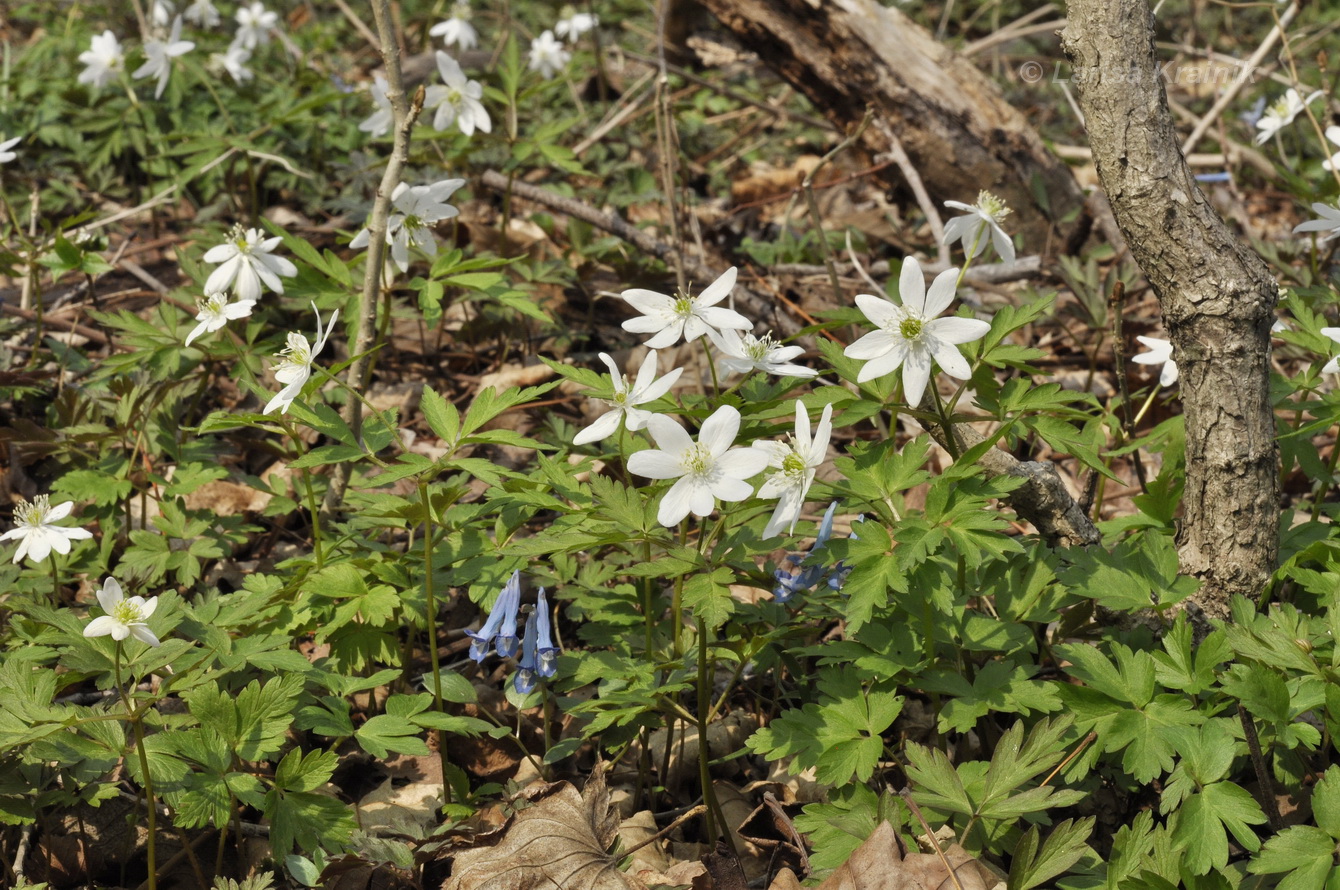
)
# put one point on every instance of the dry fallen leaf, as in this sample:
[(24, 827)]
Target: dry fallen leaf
[(558, 841), (879, 864)]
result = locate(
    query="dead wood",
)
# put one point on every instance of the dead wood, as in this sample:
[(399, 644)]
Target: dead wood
[(957, 128)]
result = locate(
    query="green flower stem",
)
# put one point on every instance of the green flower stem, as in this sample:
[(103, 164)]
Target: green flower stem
[(1325, 484), (55, 582), (1140, 415), (138, 727), (967, 260), (711, 365), (312, 507), (431, 609), (951, 440), (704, 717)]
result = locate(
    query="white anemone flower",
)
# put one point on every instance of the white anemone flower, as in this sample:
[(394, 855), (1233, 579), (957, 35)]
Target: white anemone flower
[(203, 14), (159, 55), (416, 210), (1333, 134), (978, 220), (295, 363), (234, 61), (574, 24), (379, 122), (457, 30), (547, 55), (624, 399), (669, 318), (457, 101), (911, 335), (248, 261), (104, 60), (1329, 222), (215, 312), (1330, 367), (125, 617), (37, 532), (5, 145), (796, 462), (161, 13), (705, 470), (1282, 113), (742, 354), (1160, 353), (254, 23)]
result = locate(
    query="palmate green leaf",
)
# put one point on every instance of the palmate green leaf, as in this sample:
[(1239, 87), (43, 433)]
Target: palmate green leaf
[(839, 736), (308, 819), (709, 596), (1151, 735), (1180, 666), (387, 732), (939, 785), (442, 416), (1305, 852), (1202, 818), (1326, 802), (1066, 845), (999, 687), (842, 823), (1018, 759)]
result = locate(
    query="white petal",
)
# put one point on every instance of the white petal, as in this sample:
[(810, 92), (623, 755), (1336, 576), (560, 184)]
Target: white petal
[(59, 512), (648, 302), (144, 635), (916, 373), (604, 427), (941, 294), (873, 345), (880, 311), (951, 361), (676, 503), (912, 287), (730, 490), (719, 430), (958, 330), (743, 463), (669, 436), (718, 290), (110, 594), (884, 364), (721, 317), (653, 464), (100, 626)]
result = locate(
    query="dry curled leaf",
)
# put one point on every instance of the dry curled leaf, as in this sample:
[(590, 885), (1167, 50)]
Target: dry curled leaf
[(558, 841), (880, 864)]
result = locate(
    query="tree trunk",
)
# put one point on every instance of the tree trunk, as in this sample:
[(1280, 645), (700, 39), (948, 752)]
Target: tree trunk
[(1217, 298), (955, 125)]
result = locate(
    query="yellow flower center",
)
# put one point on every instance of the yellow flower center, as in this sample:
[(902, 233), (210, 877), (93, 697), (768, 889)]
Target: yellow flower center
[(697, 460), (127, 612), (910, 328)]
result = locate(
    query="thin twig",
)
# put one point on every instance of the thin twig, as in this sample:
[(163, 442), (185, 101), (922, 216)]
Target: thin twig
[(816, 218), (404, 113), (1235, 86), (909, 171)]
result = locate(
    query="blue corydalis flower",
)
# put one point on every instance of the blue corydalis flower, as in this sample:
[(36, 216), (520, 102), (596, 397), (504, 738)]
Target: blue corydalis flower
[(841, 570), (501, 623), (524, 679), (788, 584), (546, 653)]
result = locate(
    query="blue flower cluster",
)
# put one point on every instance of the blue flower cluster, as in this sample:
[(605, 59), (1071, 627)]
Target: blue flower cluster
[(539, 655), (791, 583)]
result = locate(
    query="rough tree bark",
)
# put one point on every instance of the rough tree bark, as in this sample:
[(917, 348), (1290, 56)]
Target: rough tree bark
[(1216, 295), (957, 128)]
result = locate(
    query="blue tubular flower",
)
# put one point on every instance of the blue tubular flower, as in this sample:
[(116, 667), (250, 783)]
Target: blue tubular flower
[(545, 651), (501, 623), (841, 570), (524, 679), (788, 584)]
